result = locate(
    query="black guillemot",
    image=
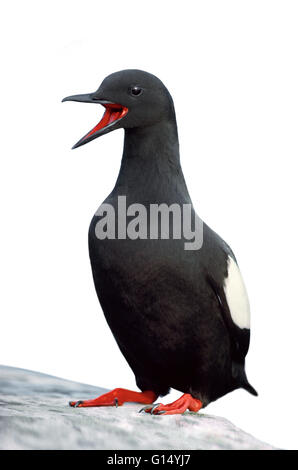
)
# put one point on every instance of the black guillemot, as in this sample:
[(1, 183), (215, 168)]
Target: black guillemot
[(179, 316)]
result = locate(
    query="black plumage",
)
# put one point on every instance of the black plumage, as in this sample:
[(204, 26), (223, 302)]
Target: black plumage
[(166, 306)]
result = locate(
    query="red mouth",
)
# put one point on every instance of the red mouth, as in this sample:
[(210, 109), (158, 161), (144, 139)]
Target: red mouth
[(113, 113)]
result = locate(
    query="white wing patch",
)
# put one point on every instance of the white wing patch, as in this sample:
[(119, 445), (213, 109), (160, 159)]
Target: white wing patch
[(236, 296)]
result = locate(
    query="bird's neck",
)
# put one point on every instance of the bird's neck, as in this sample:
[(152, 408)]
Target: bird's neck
[(151, 162)]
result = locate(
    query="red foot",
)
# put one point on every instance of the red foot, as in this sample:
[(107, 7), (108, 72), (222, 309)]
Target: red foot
[(177, 407), (116, 397)]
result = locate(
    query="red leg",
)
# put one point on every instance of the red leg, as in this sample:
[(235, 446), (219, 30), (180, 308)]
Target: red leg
[(116, 397), (186, 402)]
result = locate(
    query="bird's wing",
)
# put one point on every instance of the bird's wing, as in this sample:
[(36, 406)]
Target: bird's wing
[(234, 306)]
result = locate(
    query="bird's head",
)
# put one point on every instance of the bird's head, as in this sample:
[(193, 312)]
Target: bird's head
[(131, 98)]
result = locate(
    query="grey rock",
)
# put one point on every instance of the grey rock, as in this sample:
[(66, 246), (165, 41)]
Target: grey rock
[(34, 414)]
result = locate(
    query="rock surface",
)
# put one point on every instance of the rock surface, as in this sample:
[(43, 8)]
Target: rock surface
[(34, 414)]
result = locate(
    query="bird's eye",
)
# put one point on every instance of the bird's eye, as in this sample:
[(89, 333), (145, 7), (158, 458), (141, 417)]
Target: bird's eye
[(136, 90)]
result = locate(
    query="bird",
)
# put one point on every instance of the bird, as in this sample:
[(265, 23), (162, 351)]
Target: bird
[(179, 312)]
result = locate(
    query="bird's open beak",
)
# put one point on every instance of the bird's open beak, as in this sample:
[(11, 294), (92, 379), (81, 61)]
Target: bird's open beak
[(113, 114)]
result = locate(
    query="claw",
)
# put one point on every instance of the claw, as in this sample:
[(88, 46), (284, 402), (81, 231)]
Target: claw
[(78, 403), (154, 407), (72, 403), (147, 407), (116, 402), (161, 412)]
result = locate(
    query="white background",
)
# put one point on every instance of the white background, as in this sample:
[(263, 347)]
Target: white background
[(231, 68)]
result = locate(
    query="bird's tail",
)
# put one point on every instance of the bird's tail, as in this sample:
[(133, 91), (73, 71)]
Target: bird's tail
[(249, 388), (240, 376)]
